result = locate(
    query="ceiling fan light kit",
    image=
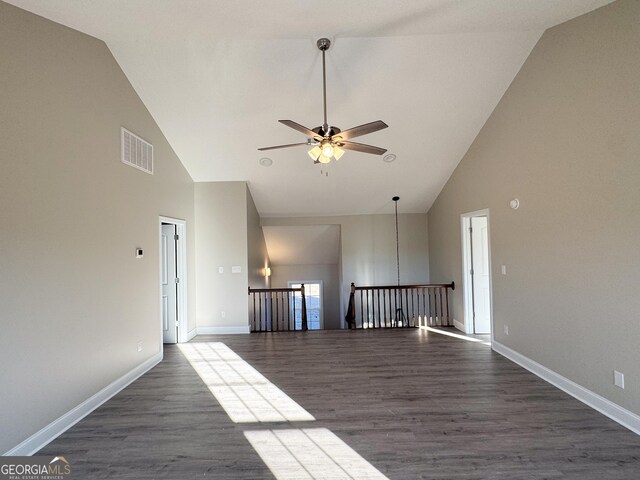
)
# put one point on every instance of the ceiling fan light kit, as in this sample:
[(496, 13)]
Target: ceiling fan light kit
[(330, 142)]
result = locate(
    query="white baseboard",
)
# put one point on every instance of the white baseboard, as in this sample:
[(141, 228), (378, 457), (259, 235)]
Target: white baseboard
[(222, 330), (459, 325), (192, 334), (614, 411), (44, 436)]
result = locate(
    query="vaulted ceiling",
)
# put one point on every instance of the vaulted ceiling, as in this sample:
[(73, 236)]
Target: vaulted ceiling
[(217, 76)]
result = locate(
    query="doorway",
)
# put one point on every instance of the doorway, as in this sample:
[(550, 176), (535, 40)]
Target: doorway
[(313, 298), (476, 255), (173, 280)]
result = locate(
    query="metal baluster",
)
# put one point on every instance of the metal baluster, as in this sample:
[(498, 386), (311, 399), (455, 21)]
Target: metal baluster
[(413, 321), (384, 309), (277, 322), (373, 307), (294, 311), (435, 307), (254, 311), (405, 310), (424, 304), (260, 310), (281, 316), (361, 310), (374, 318), (395, 308), (367, 309)]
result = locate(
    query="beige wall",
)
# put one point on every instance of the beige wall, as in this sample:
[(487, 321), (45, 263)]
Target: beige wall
[(221, 241), (368, 248), (565, 141), (328, 274), (257, 255), (74, 299)]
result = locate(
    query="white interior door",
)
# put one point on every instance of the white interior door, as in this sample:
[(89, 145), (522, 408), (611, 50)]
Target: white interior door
[(169, 285), (480, 265)]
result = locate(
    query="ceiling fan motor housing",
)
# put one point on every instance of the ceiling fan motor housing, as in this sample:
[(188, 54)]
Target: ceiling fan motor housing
[(330, 133)]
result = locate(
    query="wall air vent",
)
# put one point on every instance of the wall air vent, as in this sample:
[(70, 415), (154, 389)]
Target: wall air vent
[(136, 152)]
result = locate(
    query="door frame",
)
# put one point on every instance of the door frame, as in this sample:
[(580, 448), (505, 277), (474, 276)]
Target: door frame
[(321, 283), (467, 293), (181, 271)]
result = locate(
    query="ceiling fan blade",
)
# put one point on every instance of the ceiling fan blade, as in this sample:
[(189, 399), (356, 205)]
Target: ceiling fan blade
[(362, 130), (285, 146), (300, 128), (361, 147)]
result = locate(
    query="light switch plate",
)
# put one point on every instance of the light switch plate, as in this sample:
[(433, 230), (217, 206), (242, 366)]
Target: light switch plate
[(236, 269), (220, 269), (503, 269), (618, 379)]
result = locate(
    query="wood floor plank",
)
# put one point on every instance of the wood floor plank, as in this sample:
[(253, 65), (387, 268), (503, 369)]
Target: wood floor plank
[(415, 404)]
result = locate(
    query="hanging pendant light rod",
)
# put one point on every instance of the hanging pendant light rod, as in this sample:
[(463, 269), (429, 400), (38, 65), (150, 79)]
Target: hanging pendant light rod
[(395, 199)]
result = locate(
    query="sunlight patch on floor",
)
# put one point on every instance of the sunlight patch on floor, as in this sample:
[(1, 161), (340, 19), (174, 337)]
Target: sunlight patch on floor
[(244, 393), (456, 335), (310, 453)]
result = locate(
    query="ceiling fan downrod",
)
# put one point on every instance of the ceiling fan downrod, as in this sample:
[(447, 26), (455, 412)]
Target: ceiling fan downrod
[(324, 44)]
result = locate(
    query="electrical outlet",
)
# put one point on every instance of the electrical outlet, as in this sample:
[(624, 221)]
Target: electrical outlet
[(140, 346), (503, 269), (223, 314), (506, 329), (618, 379)]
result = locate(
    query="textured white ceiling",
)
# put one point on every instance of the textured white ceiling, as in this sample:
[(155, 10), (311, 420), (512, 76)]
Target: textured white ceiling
[(308, 245), (218, 75)]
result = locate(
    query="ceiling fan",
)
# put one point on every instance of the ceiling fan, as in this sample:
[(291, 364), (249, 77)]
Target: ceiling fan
[(330, 142)]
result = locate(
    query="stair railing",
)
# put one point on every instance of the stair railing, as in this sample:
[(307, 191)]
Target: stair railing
[(397, 306), (274, 309)]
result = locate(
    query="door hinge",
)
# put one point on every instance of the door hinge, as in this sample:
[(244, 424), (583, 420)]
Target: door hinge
[(471, 271), (177, 280), (470, 229), (176, 237)]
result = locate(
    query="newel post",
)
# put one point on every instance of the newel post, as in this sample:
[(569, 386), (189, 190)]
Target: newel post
[(351, 309), (304, 309)]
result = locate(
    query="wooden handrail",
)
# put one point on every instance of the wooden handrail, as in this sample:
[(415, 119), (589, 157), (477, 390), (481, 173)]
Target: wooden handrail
[(263, 290), (272, 312), (451, 285)]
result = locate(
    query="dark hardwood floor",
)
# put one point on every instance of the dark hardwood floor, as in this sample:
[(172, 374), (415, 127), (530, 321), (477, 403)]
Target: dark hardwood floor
[(415, 404)]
